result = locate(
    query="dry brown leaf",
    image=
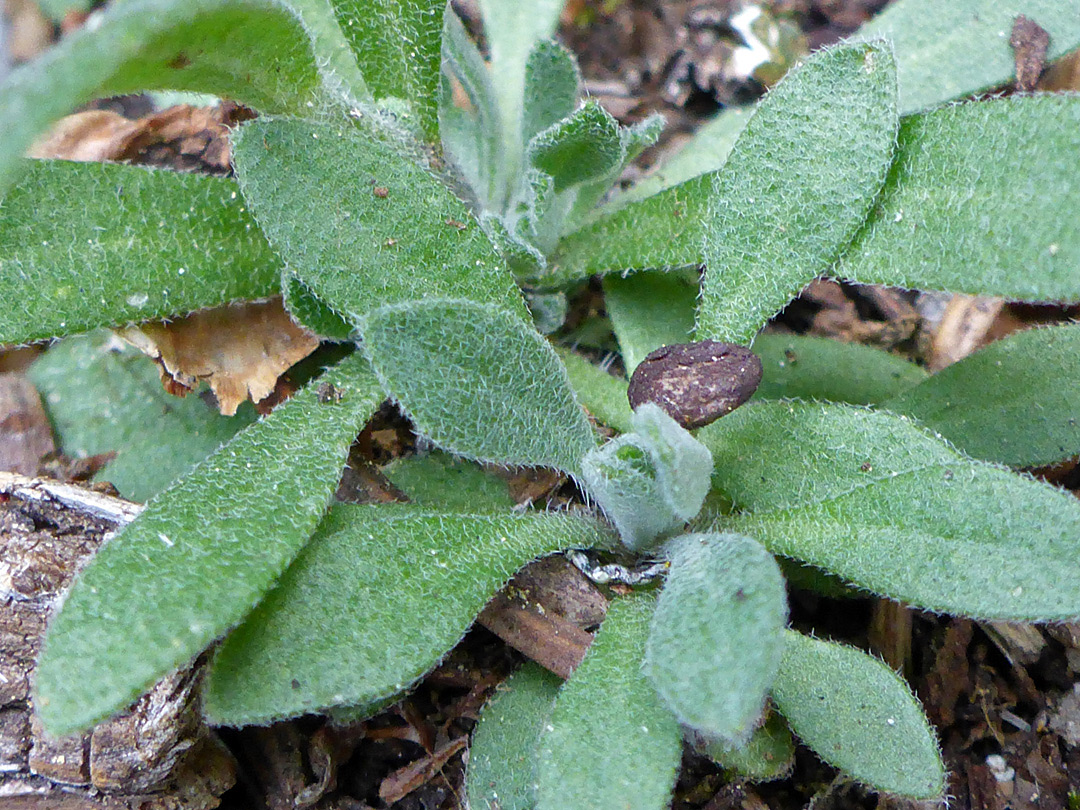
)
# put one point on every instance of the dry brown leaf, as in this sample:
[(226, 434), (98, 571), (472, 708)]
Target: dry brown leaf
[(240, 350), (87, 136), (29, 31)]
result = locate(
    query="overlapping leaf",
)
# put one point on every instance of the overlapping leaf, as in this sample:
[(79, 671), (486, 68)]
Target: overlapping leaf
[(84, 245), (649, 310), (858, 715), (603, 395), (717, 634), (892, 508), (954, 215), (610, 741), (254, 51), (376, 599), (201, 555), (438, 481)]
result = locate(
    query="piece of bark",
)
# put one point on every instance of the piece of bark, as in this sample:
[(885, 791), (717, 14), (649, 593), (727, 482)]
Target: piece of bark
[(1029, 42), (156, 755), (25, 433)]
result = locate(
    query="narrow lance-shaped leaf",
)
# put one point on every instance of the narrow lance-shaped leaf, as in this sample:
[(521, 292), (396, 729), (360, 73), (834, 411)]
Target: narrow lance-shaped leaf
[(551, 87), (254, 51), (610, 741), (649, 310), (374, 602), (84, 245), (104, 396), (796, 186), (603, 395), (892, 508), (934, 42), (439, 481), (361, 225), (1013, 402), (858, 715), (502, 757), (804, 367), (398, 44), (717, 634), (480, 382), (954, 215), (200, 556)]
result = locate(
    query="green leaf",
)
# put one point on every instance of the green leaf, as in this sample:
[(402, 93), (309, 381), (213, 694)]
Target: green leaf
[(376, 599), (796, 186), (337, 66), (551, 87), (439, 481), (717, 633), (955, 216), (890, 507), (502, 758), (650, 481), (610, 742), (858, 715), (934, 42), (254, 51), (84, 245), (479, 382), (603, 395), (398, 44), (586, 146), (768, 754), (803, 367), (308, 309), (1013, 402), (649, 310), (359, 224), (200, 556), (104, 396)]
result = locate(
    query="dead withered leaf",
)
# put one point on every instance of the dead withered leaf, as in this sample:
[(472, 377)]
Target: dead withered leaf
[(93, 135), (1029, 42), (240, 350)]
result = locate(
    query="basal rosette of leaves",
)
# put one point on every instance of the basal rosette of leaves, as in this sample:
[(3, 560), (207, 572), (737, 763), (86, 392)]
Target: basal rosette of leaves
[(401, 191)]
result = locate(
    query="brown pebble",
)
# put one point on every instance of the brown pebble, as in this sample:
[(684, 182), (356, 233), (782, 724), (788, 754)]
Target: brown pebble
[(382, 192), (696, 383)]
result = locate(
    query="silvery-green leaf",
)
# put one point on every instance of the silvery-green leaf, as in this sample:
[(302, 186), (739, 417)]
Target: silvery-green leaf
[(439, 481), (551, 87), (768, 754)]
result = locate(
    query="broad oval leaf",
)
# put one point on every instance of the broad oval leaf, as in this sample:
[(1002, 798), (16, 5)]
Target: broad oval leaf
[(954, 216), (798, 183), (104, 396), (892, 508), (804, 367), (583, 147), (361, 225), (480, 382), (717, 633), (858, 715), (200, 556), (84, 245), (934, 42), (610, 741), (398, 45), (254, 51), (1013, 402), (376, 599), (502, 758)]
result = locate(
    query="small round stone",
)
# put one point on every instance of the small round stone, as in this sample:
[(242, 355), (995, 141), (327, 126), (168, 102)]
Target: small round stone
[(696, 383)]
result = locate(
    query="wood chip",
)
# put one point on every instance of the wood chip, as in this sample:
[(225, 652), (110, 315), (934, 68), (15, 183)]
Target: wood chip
[(1029, 42)]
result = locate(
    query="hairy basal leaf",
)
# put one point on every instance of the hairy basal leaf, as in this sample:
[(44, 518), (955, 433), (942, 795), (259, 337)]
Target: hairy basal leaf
[(200, 556), (610, 741), (480, 382), (934, 42), (398, 45), (551, 87), (717, 633), (361, 225), (502, 758), (583, 147), (1013, 402), (254, 51), (603, 395), (374, 602), (890, 507), (954, 215), (858, 715), (796, 186), (104, 396), (649, 310), (439, 481), (768, 754), (84, 245), (804, 367)]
